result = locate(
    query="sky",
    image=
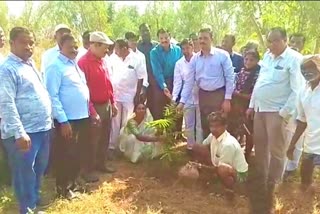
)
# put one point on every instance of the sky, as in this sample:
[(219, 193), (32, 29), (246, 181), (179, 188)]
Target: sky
[(16, 7)]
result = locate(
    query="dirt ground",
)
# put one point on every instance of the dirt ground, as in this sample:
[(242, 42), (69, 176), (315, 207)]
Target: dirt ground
[(153, 187)]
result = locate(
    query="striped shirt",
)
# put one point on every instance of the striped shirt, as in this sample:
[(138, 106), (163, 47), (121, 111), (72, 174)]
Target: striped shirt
[(24, 101)]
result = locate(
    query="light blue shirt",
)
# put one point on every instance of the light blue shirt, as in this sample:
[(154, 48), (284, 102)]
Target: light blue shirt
[(210, 73), (24, 101), (68, 90), (163, 62), (278, 83), (48, 56)]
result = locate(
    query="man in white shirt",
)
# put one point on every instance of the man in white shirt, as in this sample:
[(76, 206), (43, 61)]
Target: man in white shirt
[(273, 101), (308, 120), (133, 44), (85, 45), (296, 42), (191, 111), (51, 54), (222, 150), (127, 73)]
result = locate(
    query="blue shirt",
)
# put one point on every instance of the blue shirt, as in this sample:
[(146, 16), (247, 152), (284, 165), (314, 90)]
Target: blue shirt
[(210, 73), (237, 61), (68, 90), (24, 101), (278, 83), (163, 63)]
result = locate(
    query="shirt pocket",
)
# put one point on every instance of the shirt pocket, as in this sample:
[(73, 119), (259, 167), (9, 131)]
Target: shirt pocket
[(280, 74)]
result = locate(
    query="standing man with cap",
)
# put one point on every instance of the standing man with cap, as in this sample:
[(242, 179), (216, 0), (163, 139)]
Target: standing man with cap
[(49, 55), (102, 105)]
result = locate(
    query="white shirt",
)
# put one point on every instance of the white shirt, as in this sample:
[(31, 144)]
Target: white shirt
[(48, 57), (81, 52), (228, 151), (181, 72), (278, 83), (308, 110), (142, 57), (124, 76)]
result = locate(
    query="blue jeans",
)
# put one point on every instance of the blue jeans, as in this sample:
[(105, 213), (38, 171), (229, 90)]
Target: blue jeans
[(28, 168)]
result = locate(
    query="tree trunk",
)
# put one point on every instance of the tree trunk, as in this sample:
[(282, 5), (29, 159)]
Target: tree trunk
[(316, 46)]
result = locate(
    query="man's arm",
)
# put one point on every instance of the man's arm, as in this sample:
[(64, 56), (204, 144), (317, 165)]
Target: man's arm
[(53, 83), (157, 69), (83, 68), (141, 73), (177, 82), (229, 76), (144, 70), (296, 80), (8, 109), (189, 81)]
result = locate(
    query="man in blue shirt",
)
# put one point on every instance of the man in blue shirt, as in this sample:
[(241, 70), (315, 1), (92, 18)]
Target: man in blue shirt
[(69, 94), (26, 118), (237, 60), (163, 59), (212, 70)]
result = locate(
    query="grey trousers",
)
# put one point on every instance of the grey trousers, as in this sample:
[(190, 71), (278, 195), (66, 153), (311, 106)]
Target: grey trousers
[(269, 137)]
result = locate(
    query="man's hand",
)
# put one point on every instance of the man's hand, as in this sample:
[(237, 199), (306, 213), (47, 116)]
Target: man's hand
[(143, 95), (66, 131), (167, 93), (226, 106), (24, 143), (95, 120), (114, 110), (250, 113), (290, 151), (180, 108)]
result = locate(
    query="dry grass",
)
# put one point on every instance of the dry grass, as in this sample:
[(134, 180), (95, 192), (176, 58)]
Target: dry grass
[(153, 187)]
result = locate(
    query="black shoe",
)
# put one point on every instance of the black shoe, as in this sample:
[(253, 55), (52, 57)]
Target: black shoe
[(89, 178), (106, 169)]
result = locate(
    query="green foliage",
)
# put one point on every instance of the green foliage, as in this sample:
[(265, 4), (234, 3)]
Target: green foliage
[(166, 127)]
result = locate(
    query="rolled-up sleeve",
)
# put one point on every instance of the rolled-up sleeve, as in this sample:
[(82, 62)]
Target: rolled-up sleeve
[(296, 80), (229, 76), (177, 82), (9, 112), (53, 82), (300, 111)]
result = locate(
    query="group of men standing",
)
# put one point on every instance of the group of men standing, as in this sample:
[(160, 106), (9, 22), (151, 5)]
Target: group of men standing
[(90, 95)]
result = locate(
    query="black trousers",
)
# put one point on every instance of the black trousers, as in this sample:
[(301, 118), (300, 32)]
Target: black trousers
[(70, 154)]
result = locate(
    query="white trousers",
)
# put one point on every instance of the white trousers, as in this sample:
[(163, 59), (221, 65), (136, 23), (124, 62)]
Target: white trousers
[(294, 164), (193, 127), (125, 110)]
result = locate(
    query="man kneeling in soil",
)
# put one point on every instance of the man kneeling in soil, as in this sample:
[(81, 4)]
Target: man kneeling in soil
[(222, 151)]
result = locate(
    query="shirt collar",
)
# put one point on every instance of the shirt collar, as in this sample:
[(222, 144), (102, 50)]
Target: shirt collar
[(210, 53), (283, 55), (92, 57), (65, 59), (185, 60), (170, 47), (16, 58), (56, 48), (222, 136)]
